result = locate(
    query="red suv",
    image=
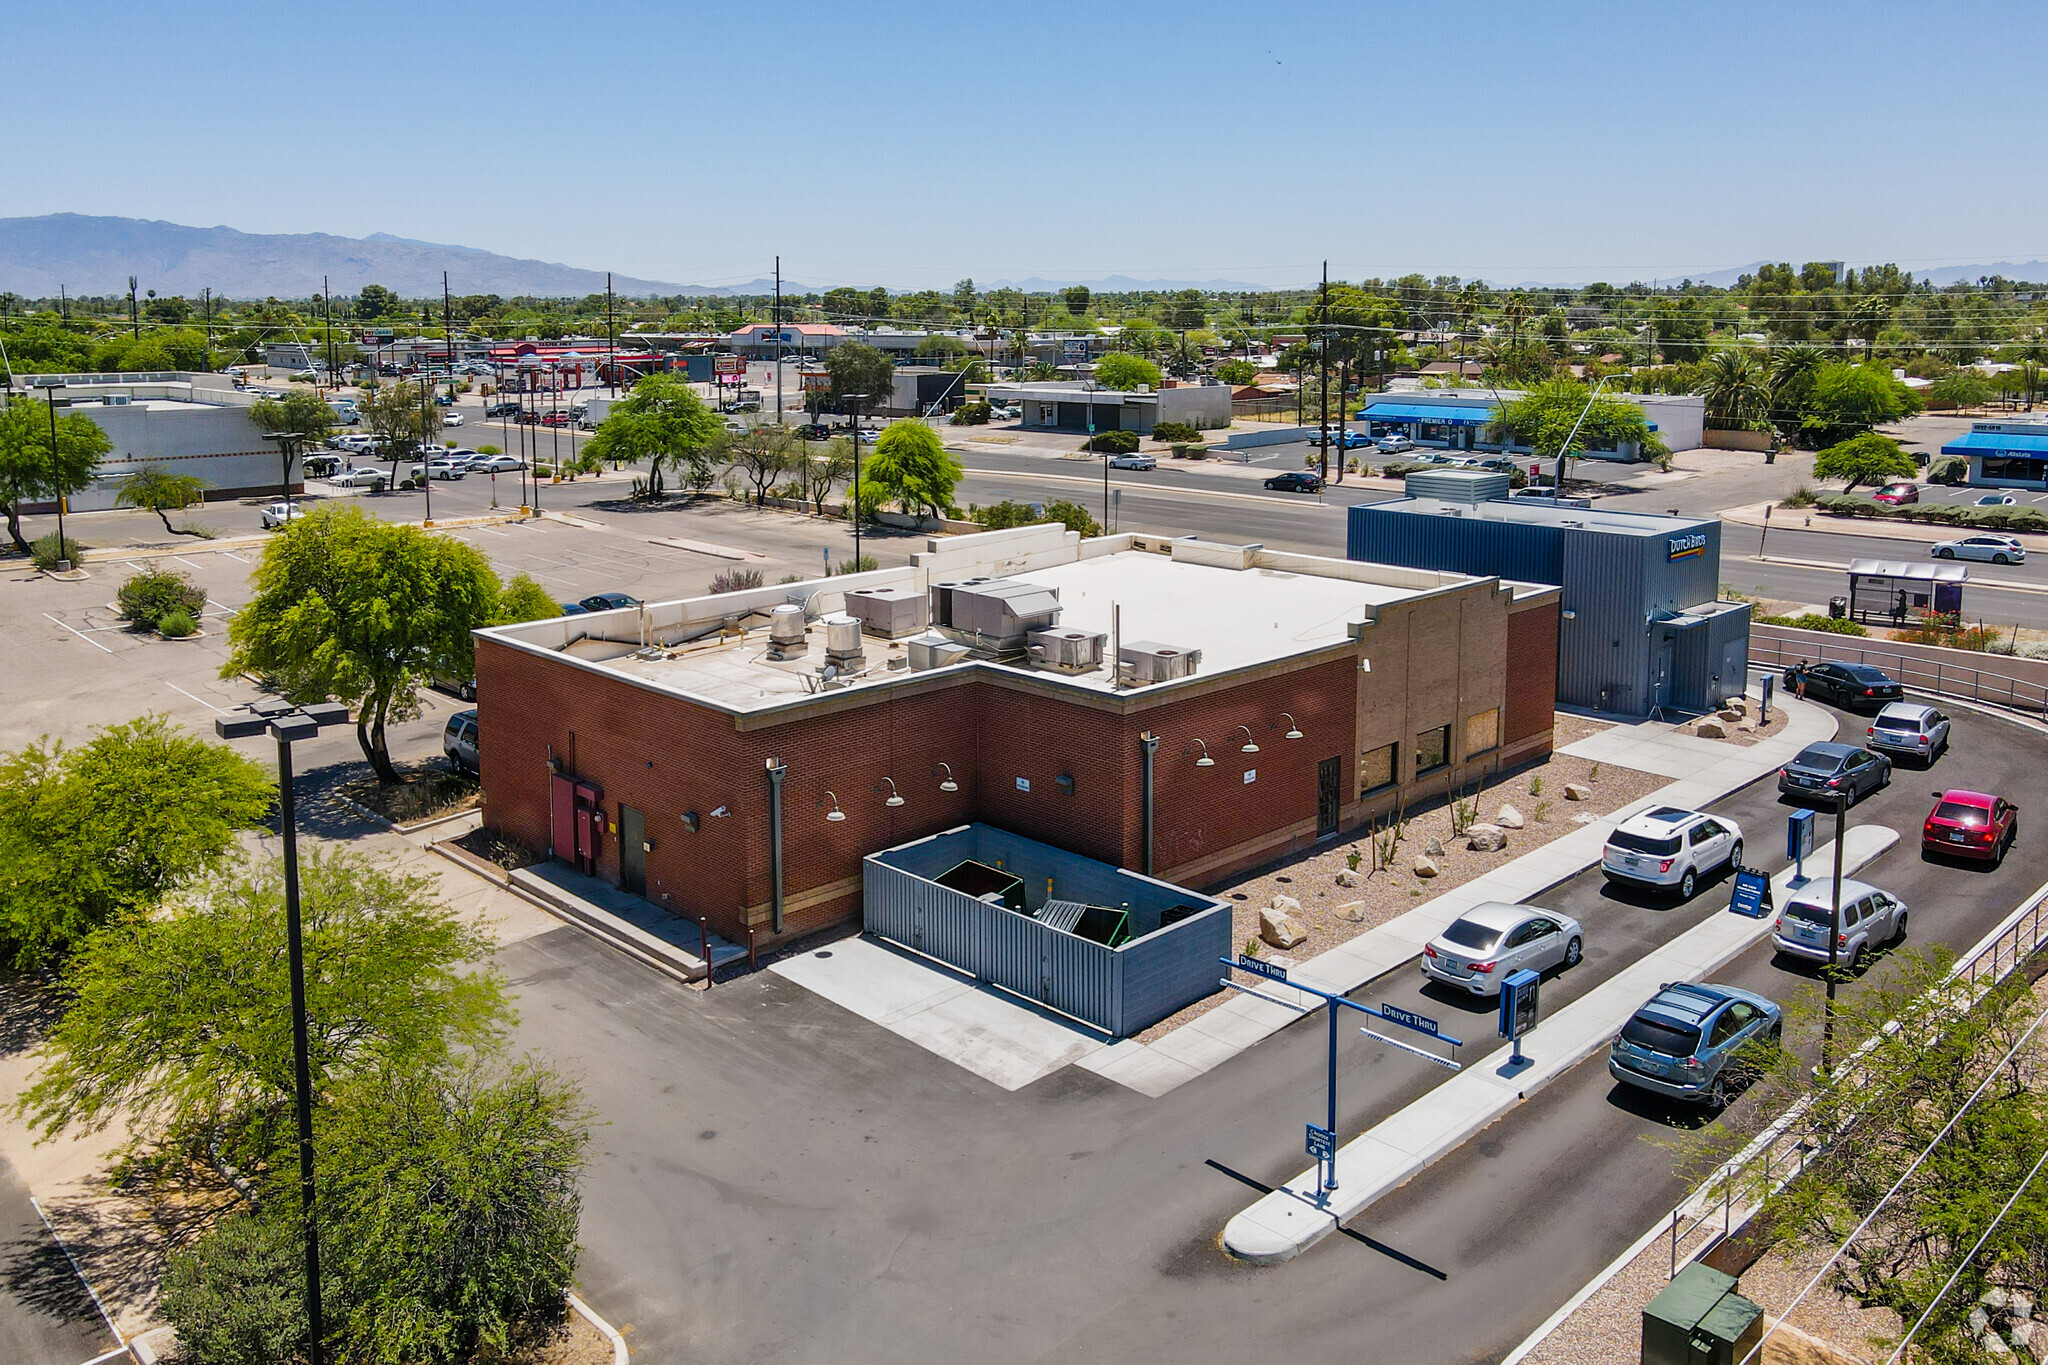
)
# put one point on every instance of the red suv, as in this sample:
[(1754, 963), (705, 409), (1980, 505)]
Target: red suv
[(1897, 494), (1970, 825)]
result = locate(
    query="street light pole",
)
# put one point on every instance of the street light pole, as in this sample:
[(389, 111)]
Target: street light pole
[(1827, 1023), (426, 461), (853, 402), (50, 399), (286, 723)]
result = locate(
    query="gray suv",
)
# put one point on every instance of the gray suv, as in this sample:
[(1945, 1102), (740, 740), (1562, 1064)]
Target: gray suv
[(458, 741), (1684, 1041)]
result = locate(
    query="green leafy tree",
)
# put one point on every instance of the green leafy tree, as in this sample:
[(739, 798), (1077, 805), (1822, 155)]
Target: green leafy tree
[(941, 348), (238, 1295), (1962, 388), (1237, 372), (30, 471), (94, 833), (1869, 458), (1544, 419), (1737, 390), (1850, 399), (162, 492), (374, 301), (301, 416), (173, 1025), (403, 418), (821, 472), (916, 469), (665, 423), (859, 372), (363, 611), (1077, 297), (524, 600), (763, 455), (1122, 370)]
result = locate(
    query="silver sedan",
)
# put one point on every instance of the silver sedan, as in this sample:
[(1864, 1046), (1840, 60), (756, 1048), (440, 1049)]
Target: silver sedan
[(1492, 939)]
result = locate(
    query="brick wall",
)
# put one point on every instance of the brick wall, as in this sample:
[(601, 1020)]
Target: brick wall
[(1531, 702)]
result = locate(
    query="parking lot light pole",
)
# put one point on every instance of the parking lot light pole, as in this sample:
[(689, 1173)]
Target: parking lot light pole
[(426, 460), (49, 389), (286, 723), (853, 402), (1827, 1022)]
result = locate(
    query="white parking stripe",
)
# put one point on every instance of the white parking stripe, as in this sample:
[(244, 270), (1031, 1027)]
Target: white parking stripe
[(232, 555), (183, 693), (186, 562), (79, 633)]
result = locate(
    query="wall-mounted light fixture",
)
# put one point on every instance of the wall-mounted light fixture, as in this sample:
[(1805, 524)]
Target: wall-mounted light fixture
[(835, 813), (1293, 730), (895, 797), (1065, 782), (949, 785), (1250, 745), (1204, 761), (1568, 614), (690, 821)]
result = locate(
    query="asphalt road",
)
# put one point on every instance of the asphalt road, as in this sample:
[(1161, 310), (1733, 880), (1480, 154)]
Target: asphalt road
[(778, 1181), (46, 1317)]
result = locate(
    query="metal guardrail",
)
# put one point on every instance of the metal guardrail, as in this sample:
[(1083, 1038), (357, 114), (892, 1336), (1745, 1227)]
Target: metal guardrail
[(1779, 1154), (1912, 670)]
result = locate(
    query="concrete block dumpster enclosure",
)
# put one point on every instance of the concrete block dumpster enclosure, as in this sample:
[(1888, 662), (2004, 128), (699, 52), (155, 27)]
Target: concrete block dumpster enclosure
[(1112, 948)]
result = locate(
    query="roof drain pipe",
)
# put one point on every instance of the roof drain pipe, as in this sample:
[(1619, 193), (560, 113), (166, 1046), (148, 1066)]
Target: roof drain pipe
[(1149, 743), (776, 772)]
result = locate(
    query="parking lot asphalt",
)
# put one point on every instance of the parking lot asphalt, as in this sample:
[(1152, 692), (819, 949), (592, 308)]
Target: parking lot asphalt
[(778, 1180)]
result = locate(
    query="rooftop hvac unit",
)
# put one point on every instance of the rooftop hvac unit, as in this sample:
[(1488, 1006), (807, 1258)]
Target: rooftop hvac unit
[(1067, 650), (1148, 661), (935, 651), (785, 631), (1000, 612), (891, 613), (942, 598), (118, 400), (842, 639)]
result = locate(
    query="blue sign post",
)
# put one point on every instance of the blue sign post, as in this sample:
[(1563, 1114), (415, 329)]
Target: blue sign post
[(1322, 1142), (1799, 843), (1518, 994)]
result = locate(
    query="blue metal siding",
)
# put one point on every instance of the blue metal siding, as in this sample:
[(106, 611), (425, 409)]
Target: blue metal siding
[(1121, 990), (1603, 655), (1389, 534)]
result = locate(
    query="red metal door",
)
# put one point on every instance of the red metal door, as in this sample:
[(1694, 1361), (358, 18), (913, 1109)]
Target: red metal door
[(562, 818)]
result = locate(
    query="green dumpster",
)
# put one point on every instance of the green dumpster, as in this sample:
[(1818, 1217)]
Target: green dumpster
[(1699, 1319)]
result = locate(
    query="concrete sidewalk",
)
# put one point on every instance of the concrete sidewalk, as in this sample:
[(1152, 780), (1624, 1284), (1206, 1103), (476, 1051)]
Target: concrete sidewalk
[(1288, 1221), (1708, 770), (638, 928)]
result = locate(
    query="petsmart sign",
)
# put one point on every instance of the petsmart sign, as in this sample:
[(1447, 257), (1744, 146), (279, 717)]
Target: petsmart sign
[(1685, 547)]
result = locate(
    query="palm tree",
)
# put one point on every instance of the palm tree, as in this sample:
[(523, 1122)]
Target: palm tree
[(158, 491), (1792, 371), (1737, 389)]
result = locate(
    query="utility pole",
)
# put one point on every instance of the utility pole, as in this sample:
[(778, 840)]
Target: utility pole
[(1323, 359), (206, 297), (611, 333), (134, 315), (1827, 1023), (778, 341), (448, 326)]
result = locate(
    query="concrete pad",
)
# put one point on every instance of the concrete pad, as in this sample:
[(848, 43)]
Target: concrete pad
[(1397, 1148), (996, 1036)]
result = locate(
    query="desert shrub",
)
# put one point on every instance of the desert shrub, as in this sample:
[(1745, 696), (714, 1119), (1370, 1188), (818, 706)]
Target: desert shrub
[(177, 623), (1073, 516), (1001, 516), (154, 593), (1802, 496), (1171, 432), (973, 414), (736, 580), (1112, 442), (865, 564), (544, 471), (1949, 469), (1813, 620), (44, 552)]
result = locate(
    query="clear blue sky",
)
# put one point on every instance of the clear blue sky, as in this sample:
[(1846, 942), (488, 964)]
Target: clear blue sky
[(913, 144)]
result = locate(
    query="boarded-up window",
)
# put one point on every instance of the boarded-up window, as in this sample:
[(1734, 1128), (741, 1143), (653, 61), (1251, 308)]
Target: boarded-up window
[(1482, 732)]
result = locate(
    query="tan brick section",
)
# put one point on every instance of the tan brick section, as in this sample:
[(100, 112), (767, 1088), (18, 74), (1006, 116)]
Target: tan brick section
[(664, 754)]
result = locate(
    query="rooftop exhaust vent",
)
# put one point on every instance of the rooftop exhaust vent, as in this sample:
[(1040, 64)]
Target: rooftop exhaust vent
[(1148, 661)]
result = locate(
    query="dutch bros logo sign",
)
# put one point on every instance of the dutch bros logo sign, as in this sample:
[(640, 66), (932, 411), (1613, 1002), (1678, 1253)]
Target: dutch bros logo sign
[(1685, 547)]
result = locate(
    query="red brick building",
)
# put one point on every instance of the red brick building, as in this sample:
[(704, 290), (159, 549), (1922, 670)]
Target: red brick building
[(665, 748)]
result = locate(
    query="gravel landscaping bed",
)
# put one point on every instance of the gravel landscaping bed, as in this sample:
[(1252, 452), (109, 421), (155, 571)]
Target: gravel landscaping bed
[(1332, 913)]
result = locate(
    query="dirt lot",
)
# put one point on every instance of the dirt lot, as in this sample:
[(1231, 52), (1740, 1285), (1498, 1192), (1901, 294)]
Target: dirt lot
[(1333, 914)]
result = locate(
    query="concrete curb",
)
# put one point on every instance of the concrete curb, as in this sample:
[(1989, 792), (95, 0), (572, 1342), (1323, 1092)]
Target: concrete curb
[(1873, 527), (1289, 1221), (117, 553), (611, 1333)]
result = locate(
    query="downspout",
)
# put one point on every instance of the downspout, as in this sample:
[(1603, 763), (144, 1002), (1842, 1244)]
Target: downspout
[(776, 772), (1149, 743)]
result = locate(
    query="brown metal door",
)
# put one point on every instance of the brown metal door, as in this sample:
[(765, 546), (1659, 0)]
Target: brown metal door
[(632, 851), (1329, 775)]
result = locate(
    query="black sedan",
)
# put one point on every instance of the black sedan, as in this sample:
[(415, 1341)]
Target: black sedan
[(1296, 481), (608, 601), (1824, 771), (1850, 685)]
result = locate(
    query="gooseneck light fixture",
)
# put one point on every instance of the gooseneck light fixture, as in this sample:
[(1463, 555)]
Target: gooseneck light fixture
[(1204, 761), (1293, 730), (895, 797), (948, 785), (1250, 745), (835, 813)]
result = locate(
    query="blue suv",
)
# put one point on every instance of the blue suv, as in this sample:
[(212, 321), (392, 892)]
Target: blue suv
[(1682, 1042)]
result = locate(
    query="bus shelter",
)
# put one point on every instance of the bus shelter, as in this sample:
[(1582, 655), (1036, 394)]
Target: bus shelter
[(1895, 592)]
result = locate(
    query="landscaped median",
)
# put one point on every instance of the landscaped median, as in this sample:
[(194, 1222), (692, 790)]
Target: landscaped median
[(1291, 1219)]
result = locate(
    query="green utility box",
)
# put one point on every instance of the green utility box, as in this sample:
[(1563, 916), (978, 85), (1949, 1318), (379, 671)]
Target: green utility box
[(1699, 1319)]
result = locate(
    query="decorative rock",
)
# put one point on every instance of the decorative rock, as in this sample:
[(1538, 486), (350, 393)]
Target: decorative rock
[(1277, 929), (1729, 716), (1710, 729), (1425, 866), (1347, 878), (1433, 849), (1584, 819), (1508, 818), (1486, 838), (1352, 912), (1739, 705), (1286, 905), (1996, 1300), (1574, 791)]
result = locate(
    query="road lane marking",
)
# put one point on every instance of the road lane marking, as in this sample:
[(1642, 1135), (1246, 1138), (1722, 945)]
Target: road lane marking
[(182, 692), (79, 633), (1135, 486), (232, 555)]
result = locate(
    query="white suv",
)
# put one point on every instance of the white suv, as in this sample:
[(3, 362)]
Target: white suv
[(1871, 919), (1671, 849)]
